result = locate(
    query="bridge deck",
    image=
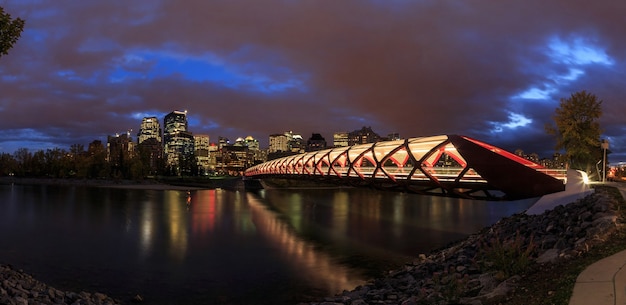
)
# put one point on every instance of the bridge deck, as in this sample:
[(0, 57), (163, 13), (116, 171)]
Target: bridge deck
[(444, 165)]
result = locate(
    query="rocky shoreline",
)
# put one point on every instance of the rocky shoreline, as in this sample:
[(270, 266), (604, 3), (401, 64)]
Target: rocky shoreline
[(19, 288), (482, 269), (486, 267)]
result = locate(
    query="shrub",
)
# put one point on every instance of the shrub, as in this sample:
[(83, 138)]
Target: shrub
[(509, 256)]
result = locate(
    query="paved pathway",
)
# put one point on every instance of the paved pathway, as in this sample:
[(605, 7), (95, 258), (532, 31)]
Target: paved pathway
[(603, 282)]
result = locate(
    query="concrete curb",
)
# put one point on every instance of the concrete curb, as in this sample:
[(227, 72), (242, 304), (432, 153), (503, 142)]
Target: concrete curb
[(603, 282)]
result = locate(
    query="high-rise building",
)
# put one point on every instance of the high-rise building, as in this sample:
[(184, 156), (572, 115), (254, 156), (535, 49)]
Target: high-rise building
[(176, 121), (286, 142), (213, 151), (149, 129), (232, 159), (150, 143), (201, 146), (254, 154), (178, 143), (296, 144), (279, 142)]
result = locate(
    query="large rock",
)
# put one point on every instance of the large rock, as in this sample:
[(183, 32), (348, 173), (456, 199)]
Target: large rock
[(462, 272)]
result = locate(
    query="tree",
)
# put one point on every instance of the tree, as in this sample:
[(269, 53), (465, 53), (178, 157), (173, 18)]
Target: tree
[(8, 164), (577, 130), (10, 31)]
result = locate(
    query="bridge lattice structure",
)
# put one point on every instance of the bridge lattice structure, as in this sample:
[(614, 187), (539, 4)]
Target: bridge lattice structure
[(445, 165)]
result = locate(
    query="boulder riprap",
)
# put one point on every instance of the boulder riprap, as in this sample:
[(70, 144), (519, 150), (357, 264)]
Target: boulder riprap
[(19, 288), (486, 267)]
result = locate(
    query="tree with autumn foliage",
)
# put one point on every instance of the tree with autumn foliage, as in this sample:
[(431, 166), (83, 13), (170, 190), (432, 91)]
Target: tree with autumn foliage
[(578, 131)]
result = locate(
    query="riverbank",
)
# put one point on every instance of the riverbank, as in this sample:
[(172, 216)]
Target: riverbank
[(180, 184), (19, 288), (522, 259)]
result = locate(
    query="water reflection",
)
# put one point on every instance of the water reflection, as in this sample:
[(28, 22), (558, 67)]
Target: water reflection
[(384, 224), (225, 247), (340, 213), (147, 227), (205, 212), (302, 255), (176, 221)]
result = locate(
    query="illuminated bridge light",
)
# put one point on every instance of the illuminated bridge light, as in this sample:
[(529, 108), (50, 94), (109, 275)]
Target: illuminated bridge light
[(446, 165)]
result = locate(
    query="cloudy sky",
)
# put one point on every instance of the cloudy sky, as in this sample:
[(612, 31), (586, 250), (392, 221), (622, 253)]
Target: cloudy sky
[(492, 70)]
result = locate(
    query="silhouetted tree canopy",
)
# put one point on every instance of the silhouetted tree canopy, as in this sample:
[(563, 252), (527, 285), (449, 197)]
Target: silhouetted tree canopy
[(10, 31), (577, 129)]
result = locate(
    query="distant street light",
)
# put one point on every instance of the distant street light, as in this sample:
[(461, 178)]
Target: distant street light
[(605, 146)]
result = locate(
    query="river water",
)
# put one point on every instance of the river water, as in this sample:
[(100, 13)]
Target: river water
[(225, 247)]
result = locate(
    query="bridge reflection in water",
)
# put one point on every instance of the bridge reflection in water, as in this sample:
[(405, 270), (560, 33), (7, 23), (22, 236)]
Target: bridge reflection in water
[(445, 165), (301, 254)]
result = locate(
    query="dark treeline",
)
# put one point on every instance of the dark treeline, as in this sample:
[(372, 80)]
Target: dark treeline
[(78, 162)]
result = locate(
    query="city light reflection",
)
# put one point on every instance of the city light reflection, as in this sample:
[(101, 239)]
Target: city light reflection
[(175, 204), (341, 211), (205, 212), (146, 228), (300, 254)]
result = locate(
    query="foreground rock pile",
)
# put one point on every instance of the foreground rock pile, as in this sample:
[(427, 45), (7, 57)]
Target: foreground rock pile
[(19, 288), (484, 268)]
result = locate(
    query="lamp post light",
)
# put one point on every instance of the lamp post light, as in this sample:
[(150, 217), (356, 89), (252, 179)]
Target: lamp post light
[(605, 146)]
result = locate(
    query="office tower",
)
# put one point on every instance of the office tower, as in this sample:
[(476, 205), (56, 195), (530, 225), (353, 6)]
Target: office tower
[(279, 142), (149, 129), (201, 146), (150, 144), (178, 143)]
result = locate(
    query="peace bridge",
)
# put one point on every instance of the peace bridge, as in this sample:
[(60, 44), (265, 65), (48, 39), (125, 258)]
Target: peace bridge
[(445, 165)]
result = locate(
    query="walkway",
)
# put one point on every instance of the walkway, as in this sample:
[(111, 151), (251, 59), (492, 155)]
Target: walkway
[(604, 282), (445, 165)]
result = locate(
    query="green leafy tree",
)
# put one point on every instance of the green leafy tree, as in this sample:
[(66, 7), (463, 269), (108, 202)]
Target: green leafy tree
[(577, 130), (10, 31)]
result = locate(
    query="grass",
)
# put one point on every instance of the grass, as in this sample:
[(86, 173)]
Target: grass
[(553, 283), (511, 257)]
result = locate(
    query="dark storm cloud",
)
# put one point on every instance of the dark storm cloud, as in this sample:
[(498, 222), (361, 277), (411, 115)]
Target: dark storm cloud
[(90, 68)]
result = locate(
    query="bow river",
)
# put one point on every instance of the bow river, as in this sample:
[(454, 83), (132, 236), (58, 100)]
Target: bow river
[(225, 247)]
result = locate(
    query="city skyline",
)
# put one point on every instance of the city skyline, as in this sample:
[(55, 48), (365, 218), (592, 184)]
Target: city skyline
[(491, 71)]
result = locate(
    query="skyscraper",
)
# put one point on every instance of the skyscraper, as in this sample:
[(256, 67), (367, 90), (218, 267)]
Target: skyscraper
[(178, 143), (201, 146), (149, 129)]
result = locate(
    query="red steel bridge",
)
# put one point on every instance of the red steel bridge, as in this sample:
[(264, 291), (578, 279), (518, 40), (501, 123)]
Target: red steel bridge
[(445, 165)]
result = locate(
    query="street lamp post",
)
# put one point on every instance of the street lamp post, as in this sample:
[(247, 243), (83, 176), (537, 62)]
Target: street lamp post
[(605, 146)]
